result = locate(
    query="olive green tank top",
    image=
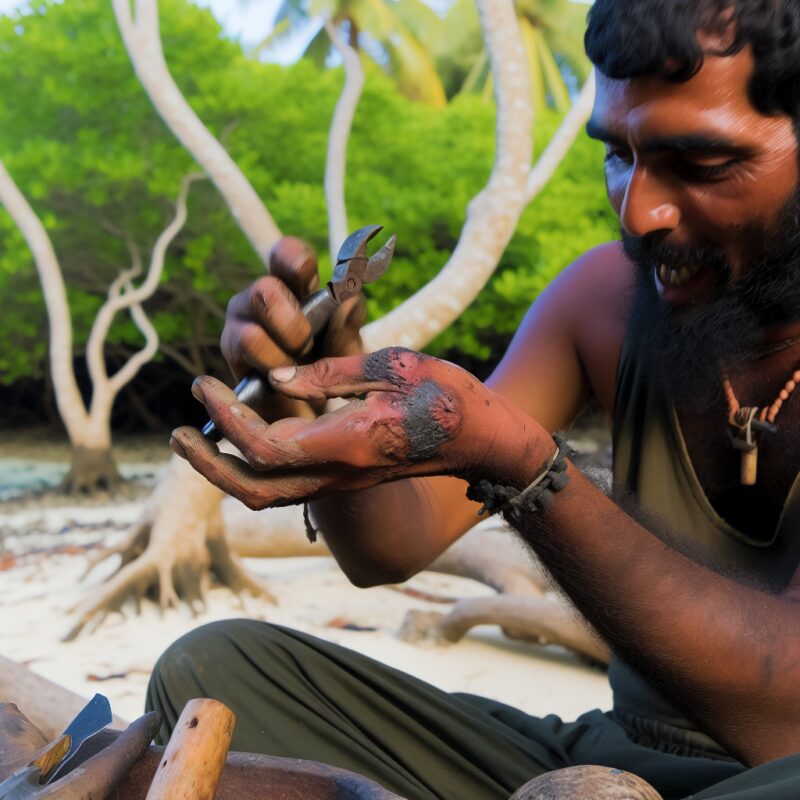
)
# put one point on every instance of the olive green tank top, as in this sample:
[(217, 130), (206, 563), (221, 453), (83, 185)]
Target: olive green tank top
[(651, 460)]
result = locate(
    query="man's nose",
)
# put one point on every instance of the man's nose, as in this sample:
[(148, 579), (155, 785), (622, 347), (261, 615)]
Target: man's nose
[(647, 206)]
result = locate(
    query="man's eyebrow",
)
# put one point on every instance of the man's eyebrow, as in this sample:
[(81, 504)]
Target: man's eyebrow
[(678, 143), (687, 143)]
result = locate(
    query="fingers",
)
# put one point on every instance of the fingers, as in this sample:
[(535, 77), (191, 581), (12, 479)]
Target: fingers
[(237, 478), (243, 427), (330, 377), (294, 262), (343, 333), (270, 303), (264, 328)]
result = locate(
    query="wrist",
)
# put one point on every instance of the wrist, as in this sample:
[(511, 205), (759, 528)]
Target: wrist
[(513, 447)]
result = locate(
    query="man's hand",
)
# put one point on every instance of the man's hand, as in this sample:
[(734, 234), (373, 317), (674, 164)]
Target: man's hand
[(411, 415), (265, 328)]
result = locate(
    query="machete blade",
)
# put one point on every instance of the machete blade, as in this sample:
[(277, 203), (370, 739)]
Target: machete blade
[(94, 717)]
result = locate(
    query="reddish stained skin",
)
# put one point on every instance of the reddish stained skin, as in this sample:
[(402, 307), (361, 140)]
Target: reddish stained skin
[(410, 414)]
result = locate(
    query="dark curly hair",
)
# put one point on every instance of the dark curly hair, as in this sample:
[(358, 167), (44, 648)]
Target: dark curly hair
[(630, 38)]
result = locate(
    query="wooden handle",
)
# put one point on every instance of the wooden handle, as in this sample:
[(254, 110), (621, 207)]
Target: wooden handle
[(195, 756)]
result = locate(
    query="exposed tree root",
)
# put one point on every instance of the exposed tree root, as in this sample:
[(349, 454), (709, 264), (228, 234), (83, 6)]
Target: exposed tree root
[(273, 533), (533, 619), (170, 554), (490, 553), (91, 469), (179, 543)]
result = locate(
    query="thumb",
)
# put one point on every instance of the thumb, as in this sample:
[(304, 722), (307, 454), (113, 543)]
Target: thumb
[(329, 377), (343, 332)]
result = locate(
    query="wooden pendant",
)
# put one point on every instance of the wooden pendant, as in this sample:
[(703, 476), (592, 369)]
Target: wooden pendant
[(749, 472), (745, 441)]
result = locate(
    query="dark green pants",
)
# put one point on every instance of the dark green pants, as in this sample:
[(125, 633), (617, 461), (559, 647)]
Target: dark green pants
[(300, 697)]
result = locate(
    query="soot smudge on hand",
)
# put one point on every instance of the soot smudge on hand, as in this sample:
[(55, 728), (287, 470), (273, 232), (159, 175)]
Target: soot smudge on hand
[(431, 419), (430, 413)]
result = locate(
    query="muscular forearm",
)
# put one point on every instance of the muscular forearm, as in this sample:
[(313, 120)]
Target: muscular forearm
[(390, 532), (728, 654)]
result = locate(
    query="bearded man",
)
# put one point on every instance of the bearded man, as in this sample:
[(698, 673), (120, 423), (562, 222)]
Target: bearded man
[(687, 333)]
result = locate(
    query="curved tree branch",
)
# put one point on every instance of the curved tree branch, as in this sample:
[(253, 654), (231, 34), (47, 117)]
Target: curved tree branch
[(493, 214), (142, 38), (104, 390), (563, 140), (338, 136), (68, 397), (128, 371)]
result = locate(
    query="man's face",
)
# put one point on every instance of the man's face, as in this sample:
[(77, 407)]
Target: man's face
[(698, 176)]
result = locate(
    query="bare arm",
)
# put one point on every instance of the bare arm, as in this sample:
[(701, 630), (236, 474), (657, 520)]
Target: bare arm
[(727, 654)]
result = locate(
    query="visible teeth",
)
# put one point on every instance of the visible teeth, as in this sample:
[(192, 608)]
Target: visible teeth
[(677, 277)]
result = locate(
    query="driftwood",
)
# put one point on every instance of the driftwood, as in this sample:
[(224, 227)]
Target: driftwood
[(525, 607), (49, 707), (490, 553), (587, 783), (531, 619)]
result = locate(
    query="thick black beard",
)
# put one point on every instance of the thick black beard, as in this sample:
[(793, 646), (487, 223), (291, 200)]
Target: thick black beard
[(687, 348)]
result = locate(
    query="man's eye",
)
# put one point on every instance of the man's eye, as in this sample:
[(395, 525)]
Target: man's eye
[(707, 172)]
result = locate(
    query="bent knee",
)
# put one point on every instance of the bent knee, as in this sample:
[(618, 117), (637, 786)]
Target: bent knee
[(203, 654)]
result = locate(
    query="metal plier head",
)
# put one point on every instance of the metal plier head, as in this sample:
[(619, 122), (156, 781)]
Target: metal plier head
[(354, 268)]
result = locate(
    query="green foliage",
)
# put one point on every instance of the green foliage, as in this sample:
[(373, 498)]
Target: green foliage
[(83, 143)]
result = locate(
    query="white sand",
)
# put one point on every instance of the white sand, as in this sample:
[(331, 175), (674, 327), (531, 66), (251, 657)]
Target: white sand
[(38, 591)]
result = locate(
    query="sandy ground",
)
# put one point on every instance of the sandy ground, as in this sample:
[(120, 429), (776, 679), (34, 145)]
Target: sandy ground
[(43, 541)]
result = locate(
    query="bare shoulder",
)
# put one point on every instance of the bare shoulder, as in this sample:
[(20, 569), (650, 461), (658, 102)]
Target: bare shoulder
[(598, 284), (601, 288), (573, 334), (589, 303)]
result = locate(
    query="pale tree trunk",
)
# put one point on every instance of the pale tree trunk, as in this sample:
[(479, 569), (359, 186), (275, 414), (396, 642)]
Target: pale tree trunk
[(176, 546), (338, 136), (140, 33), (429, 312), (562, 141), (68, 397), (89, 431), (493, 214)]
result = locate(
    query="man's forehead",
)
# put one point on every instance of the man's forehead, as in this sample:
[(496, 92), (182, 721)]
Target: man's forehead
[(716, 98)]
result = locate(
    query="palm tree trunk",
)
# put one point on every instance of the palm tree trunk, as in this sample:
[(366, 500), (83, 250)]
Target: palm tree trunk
[(336, 162), (140, 33), (493, 214)]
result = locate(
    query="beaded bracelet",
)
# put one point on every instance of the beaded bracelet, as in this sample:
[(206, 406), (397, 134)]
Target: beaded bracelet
[(538, 495)]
